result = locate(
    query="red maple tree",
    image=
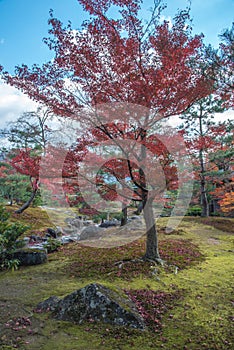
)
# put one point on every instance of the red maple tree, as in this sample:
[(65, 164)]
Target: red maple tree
[(155, 66), (117, 176), (27, 163)]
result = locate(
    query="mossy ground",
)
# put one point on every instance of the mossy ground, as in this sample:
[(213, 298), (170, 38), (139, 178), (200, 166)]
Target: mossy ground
[(201, 319), (36, 218)]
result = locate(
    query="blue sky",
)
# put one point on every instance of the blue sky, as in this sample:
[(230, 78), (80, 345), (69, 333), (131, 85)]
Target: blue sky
[(23, 24)]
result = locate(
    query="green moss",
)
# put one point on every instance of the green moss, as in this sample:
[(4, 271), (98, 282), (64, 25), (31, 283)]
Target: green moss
[(36, 218), (220, 223), (201, 320)]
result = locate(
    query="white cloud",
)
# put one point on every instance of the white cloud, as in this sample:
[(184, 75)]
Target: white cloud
[(222, 117), (167, 19), (13, 103), (2, 40), (174, 121)]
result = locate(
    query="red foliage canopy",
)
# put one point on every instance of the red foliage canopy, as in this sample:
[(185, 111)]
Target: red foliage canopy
[(156, 66), (27, 164)]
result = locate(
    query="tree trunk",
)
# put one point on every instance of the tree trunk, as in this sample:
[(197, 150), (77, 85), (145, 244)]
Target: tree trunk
[(27, 204), (139, 209), (152, 252), (204, 200), (124, 218)]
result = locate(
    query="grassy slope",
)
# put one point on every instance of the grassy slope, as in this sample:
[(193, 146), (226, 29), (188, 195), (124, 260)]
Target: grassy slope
[(200, 320)]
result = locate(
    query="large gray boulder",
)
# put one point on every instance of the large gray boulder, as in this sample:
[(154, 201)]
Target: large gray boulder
[(90, 232), (94, 302), (29, 257), (70, 230)]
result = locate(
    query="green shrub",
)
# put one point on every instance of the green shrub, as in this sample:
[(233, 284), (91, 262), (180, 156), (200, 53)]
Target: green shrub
[(117, 216), (52, 245), (9, 234), (12, 264), (196, 210), (98, 217)]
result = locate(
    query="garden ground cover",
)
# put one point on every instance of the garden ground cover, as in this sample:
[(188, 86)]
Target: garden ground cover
[(186, 305)]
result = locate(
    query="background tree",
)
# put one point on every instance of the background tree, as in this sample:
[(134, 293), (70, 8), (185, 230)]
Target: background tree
[(199, 131), (27, 137), (156, 66), (13, 186), (222, 67), (30, 130), (222, 166)]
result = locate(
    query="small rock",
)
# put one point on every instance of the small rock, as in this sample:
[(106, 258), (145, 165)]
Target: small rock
[(52, 232), (88, 222), (34, 238), (112, 223), (135, 217), (67, 239)]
